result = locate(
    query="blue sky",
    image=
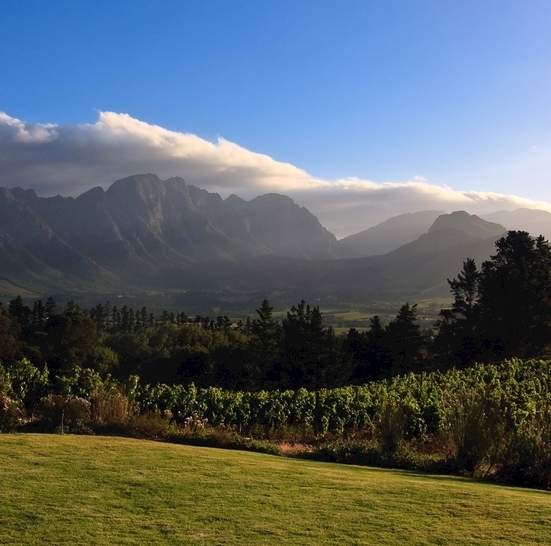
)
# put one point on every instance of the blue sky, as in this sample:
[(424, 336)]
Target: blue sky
[(455, 92)]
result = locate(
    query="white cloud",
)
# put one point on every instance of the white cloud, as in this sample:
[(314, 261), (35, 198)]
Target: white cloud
[(71, 159), (27, 133), (351, 205)]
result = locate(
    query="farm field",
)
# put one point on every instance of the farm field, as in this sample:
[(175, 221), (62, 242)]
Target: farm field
[(106, 490)]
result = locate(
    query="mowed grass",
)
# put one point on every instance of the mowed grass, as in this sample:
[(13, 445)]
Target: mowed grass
[(103, 490)]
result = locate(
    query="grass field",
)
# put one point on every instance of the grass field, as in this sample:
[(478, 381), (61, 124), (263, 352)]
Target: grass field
[(101, 490)]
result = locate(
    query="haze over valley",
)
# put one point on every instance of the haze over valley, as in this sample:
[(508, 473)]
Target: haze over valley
[(144, 235)]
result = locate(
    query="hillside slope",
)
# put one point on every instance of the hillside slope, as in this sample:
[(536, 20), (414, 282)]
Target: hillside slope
[(106, 490), (391, 234)]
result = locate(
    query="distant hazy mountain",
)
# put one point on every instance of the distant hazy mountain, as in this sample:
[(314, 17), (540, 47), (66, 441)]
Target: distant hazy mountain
[(469, 224), (535, 222), (418, 269), (146, 232), (424, 265), (391, 234)]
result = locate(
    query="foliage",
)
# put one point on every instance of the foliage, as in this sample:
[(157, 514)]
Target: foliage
[(10, 413), (221, 438), (26, 383), (148, 425), (392, 424), (525, 456), (110, 407), (371, 453), (475, 423), (73, 412), (503, 310)]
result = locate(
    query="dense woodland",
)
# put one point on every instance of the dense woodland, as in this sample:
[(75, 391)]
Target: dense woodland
[(262, 374)]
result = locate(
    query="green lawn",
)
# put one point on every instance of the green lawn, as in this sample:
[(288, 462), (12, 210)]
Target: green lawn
[(100, 490)]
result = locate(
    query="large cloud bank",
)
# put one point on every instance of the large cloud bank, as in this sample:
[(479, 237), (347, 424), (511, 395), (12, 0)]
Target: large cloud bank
[(70, 159)]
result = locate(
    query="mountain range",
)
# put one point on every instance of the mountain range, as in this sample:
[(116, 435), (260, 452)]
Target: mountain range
[(392, 234), (143, 233)]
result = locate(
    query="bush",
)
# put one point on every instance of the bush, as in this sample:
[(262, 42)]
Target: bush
[(222, 438), (148, 425), (110, 408), (525, 456), (10, 414), (73, 411), (392, 425), (348, 452), (475, 424), (370, 453)]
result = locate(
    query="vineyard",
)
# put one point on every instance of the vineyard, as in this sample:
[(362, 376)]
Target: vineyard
[(518, 390), (493, 418)]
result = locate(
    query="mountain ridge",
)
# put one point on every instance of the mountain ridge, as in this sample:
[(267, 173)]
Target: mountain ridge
[(391, 234), (143, 230), (143, 233)]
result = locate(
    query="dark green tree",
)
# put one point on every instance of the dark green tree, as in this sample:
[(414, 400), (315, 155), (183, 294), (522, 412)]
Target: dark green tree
[(19, 312), (457, 342), (515, 297), (49, 307), (9, 343), (38, 314), (310, 356), (71, 338), (370, 353), (405, 341), (267, 332)]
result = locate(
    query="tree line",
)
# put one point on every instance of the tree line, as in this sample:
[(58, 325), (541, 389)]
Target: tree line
[(502, 310)]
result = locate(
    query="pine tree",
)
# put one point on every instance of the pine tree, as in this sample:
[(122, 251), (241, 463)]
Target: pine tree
[(457, 341), (49, 307), (405, 341), (265, 340), (19, 312)]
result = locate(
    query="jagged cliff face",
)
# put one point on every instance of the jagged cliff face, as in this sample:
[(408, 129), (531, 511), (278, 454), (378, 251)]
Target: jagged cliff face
[(288, 229), (144, 228)]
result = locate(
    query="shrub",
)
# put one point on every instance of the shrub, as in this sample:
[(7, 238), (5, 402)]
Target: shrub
[(74, 411), (348, 452), (292, 434), (77, 411), (392, 425), (10, 414), (222, 438), (370, 453), (525, 456), (110, 408), (148, 425), (475, 423)]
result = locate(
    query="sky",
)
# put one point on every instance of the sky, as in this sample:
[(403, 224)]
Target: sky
[(359, 110)]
